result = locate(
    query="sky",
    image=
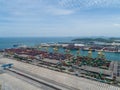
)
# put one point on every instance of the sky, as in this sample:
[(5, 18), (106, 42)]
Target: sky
[(59, 18)]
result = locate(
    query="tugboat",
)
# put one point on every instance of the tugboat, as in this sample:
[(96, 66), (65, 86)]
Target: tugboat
[(16, 45), (19, 45)]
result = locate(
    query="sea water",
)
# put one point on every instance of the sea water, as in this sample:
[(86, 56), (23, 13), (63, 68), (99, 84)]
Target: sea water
[(32, 41)]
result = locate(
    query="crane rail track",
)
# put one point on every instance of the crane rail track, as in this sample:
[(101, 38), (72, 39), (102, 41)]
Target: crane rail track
[(34, 79)]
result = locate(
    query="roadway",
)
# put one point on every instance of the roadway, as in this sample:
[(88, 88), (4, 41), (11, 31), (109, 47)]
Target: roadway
[(30, 79), (33, 81)]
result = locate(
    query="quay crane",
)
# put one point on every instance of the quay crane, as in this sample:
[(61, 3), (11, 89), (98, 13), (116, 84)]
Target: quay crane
[(55, 50), (90, 53)]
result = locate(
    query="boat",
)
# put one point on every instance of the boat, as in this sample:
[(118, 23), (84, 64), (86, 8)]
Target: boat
[(16, 45), (19, 45)]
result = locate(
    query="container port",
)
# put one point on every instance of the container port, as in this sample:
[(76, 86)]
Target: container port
[(59, 44), (98, 69), (61, 64)]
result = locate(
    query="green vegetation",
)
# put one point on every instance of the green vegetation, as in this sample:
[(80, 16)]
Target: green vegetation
[(107, 40)]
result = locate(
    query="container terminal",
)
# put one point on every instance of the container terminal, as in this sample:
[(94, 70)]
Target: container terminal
[(97, 69)]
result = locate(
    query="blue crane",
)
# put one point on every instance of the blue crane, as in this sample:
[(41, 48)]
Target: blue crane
[(5, 66)]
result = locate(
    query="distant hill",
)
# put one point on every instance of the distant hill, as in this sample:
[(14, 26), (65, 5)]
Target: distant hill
[(107, 40)]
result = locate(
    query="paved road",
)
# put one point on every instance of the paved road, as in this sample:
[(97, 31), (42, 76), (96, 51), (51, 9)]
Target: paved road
[(10, 82), (30, 81)]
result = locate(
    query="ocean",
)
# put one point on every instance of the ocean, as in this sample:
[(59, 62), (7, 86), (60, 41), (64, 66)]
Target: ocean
[(9, 42)]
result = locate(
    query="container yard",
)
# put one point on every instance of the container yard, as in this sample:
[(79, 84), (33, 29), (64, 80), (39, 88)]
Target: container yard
[(57, 68), (97, 69)]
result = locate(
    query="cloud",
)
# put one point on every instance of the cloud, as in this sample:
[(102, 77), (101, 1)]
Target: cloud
[(90, 3), (17, 8), (58, 11), (56, 7), (117, 24)]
